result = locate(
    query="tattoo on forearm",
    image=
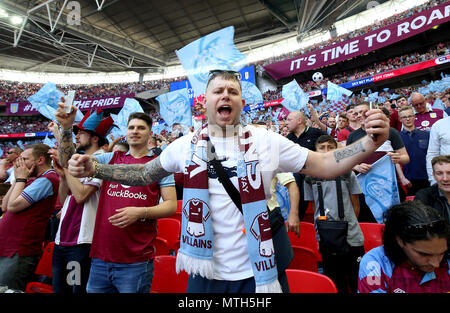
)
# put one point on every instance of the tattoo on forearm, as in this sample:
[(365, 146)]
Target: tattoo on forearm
[(349, 151), (133, 174), (65, 147)]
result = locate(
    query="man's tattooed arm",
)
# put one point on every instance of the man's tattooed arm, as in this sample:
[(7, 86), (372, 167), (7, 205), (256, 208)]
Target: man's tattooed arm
[(65, 147), (349, 151), (133, 174)]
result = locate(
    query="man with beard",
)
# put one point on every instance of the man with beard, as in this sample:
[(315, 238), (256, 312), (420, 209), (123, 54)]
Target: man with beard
[(29, 204), (80, 197), (123, 248)]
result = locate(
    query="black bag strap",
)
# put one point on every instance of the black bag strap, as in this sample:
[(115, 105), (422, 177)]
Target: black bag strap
[(339, 198), (225, 180), (319, 189), (340, 201)]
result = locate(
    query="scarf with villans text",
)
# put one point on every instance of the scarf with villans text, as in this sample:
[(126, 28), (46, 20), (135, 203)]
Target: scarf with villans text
[(195, 255)]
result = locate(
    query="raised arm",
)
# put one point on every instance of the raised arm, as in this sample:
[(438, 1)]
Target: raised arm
[(335, 163), (65, 144), (127, 174)]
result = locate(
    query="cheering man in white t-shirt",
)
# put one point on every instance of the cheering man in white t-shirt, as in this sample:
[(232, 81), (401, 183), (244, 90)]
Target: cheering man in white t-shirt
[(227, 257)]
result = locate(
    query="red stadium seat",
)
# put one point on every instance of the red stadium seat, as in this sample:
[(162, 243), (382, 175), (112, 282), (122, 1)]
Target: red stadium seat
[(410, 198), (304, 259), (165, 277), (161, 246), (309, 282), (307, 238), (177, 216), (44, 268), (169, 229), (373, 235)]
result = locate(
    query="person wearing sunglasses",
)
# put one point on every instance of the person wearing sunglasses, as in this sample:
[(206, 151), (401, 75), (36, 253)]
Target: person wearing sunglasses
[(414, 254), (6, 164), (223, 248)]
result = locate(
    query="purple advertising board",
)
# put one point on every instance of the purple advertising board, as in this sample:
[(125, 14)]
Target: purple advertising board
[(25, 108), (356, 46)]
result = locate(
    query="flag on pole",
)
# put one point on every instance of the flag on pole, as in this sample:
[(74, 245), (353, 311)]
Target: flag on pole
[(338, 96), (213, 51), (294, 98), (175, 107), (379, 186)]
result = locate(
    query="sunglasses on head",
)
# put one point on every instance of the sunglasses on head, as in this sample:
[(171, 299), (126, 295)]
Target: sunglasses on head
[(213, 73), (422, 229)]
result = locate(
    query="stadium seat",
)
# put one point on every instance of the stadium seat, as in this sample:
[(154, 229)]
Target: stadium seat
[(309, 282), (44, 268), (165, 277), (309, 214), (169, 229), (307, 238), (177, 216), (161, 246), (410, 198), (304, 259), (373, 235)]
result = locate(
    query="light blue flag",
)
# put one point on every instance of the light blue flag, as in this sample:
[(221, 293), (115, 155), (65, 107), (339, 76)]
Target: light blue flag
[(49, 95), (49, 142), (282, 194), (20, 144), (372, 97), (379, 186), (175, 107), (251, 93), (336, 93), (130, 105), (295, 98), (438, 104), (46, 100), (213, 51)]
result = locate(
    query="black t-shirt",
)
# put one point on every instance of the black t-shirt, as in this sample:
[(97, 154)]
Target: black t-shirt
[(308, 138), (394, 138)]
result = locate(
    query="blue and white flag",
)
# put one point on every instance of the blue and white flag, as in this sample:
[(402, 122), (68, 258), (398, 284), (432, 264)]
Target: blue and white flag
[(49, 142), (294, 98), (250, 93), (49, 95), (338, 96), (438, 104), (213, 51), (130, 106), (175, 107), (46, 100), (379, 186), (282, 194)]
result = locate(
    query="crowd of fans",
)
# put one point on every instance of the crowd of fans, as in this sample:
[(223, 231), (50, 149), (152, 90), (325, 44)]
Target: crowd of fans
[(355, 33)]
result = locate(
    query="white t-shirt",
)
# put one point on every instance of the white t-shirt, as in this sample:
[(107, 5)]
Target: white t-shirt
[(276, 154), (78, 227)]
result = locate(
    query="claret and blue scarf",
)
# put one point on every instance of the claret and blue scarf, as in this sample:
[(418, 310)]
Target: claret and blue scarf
[(195, 255)]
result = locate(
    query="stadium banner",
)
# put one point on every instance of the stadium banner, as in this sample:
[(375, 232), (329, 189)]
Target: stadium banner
[(359, 45), (26, 135), (26, 108), (387, 75), (247, 74)]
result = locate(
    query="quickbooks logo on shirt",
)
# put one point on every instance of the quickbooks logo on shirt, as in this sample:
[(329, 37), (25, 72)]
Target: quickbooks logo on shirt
[(113, 192)]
